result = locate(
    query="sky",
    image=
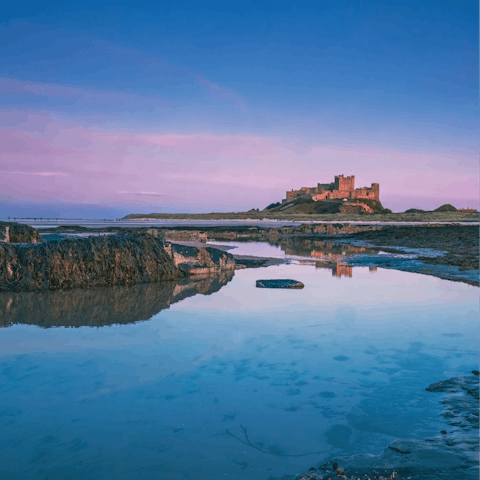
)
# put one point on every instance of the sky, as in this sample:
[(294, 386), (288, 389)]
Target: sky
[(109, 108)]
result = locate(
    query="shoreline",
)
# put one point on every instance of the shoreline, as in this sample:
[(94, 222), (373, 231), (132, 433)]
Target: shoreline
[(451, 455), (449, 252), (446, 251)]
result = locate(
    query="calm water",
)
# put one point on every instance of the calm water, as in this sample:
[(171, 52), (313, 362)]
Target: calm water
[(243, 383)]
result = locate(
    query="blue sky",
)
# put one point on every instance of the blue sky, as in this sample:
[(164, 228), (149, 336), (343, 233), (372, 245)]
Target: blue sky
[(142, 106)]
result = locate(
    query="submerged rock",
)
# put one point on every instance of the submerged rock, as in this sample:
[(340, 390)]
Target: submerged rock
[(283, 283), (449, 456)]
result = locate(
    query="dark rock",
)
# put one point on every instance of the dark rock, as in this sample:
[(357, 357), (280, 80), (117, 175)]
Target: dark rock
[(279, 284), (85, 262), (252, 262), (13, 232), (454, 385), (199, 260), (188, 268), (104, 260)]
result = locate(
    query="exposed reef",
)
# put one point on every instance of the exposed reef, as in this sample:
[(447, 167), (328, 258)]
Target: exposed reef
[(192, 260), (102, 306), (459, 244), (203, 234), (105, 260), (450, 252), (13, 232)]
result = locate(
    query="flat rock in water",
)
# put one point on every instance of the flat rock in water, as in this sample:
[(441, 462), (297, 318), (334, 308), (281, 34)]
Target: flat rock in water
[(279, 284)]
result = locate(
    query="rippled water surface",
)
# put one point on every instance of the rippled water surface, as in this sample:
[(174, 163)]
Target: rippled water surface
[(242, 383)]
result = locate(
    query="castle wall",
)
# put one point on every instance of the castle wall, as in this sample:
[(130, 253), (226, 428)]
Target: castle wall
[(372, 193), (342, 187), (322, 196)]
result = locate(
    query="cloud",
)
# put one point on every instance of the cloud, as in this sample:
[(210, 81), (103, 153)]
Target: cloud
[(220, 92), (146, 194), (51, 160), (35, 53), (100, 98), (40, 174)]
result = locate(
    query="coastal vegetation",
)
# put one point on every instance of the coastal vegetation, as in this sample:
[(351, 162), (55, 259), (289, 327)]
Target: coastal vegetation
[(456, 216)]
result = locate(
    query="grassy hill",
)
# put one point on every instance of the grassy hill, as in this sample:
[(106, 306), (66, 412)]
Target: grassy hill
[(307, 206)]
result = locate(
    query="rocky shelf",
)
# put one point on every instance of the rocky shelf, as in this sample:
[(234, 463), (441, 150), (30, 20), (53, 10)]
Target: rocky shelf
[(105, 260)]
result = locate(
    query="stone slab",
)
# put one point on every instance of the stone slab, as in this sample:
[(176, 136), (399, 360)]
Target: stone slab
[(279, 283)]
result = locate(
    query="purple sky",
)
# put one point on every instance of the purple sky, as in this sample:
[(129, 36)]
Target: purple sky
[(108, 121)]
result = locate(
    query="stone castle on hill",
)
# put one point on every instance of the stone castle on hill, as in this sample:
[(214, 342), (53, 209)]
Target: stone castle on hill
[(342, 187)]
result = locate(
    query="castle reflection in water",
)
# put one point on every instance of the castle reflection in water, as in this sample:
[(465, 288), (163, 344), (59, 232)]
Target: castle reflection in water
[(332, 255)]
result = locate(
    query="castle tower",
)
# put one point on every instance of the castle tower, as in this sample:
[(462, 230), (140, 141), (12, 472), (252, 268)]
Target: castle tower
[(345, 185), (376, 191)]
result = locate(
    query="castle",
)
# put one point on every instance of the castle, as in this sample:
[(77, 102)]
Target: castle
[(342, 187)]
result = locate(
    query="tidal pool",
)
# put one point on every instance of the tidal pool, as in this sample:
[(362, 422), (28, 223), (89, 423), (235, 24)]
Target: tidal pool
[(243, 383)]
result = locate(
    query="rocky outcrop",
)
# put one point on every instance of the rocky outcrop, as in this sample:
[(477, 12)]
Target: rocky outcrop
[(182, 235), (104, 261), (237, 233), (12, 232), (102, 306), (4, 234), (200, 261), (333, 229)]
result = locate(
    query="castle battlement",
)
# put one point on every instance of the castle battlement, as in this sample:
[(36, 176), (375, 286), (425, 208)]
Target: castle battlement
[(341, 187)]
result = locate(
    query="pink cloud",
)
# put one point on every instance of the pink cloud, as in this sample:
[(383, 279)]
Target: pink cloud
[(146, 194), (40, 174), (42, 157)]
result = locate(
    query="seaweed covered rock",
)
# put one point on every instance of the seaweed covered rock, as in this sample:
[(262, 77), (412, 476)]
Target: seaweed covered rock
[(85, 262), (104, 261), (13, 232)]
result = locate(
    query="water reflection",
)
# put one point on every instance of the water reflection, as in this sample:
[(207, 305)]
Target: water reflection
[(102, 306), (330, 254), (326, 251), (340, 366)]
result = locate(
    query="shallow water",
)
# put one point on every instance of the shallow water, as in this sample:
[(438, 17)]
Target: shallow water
[(244, 383)]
